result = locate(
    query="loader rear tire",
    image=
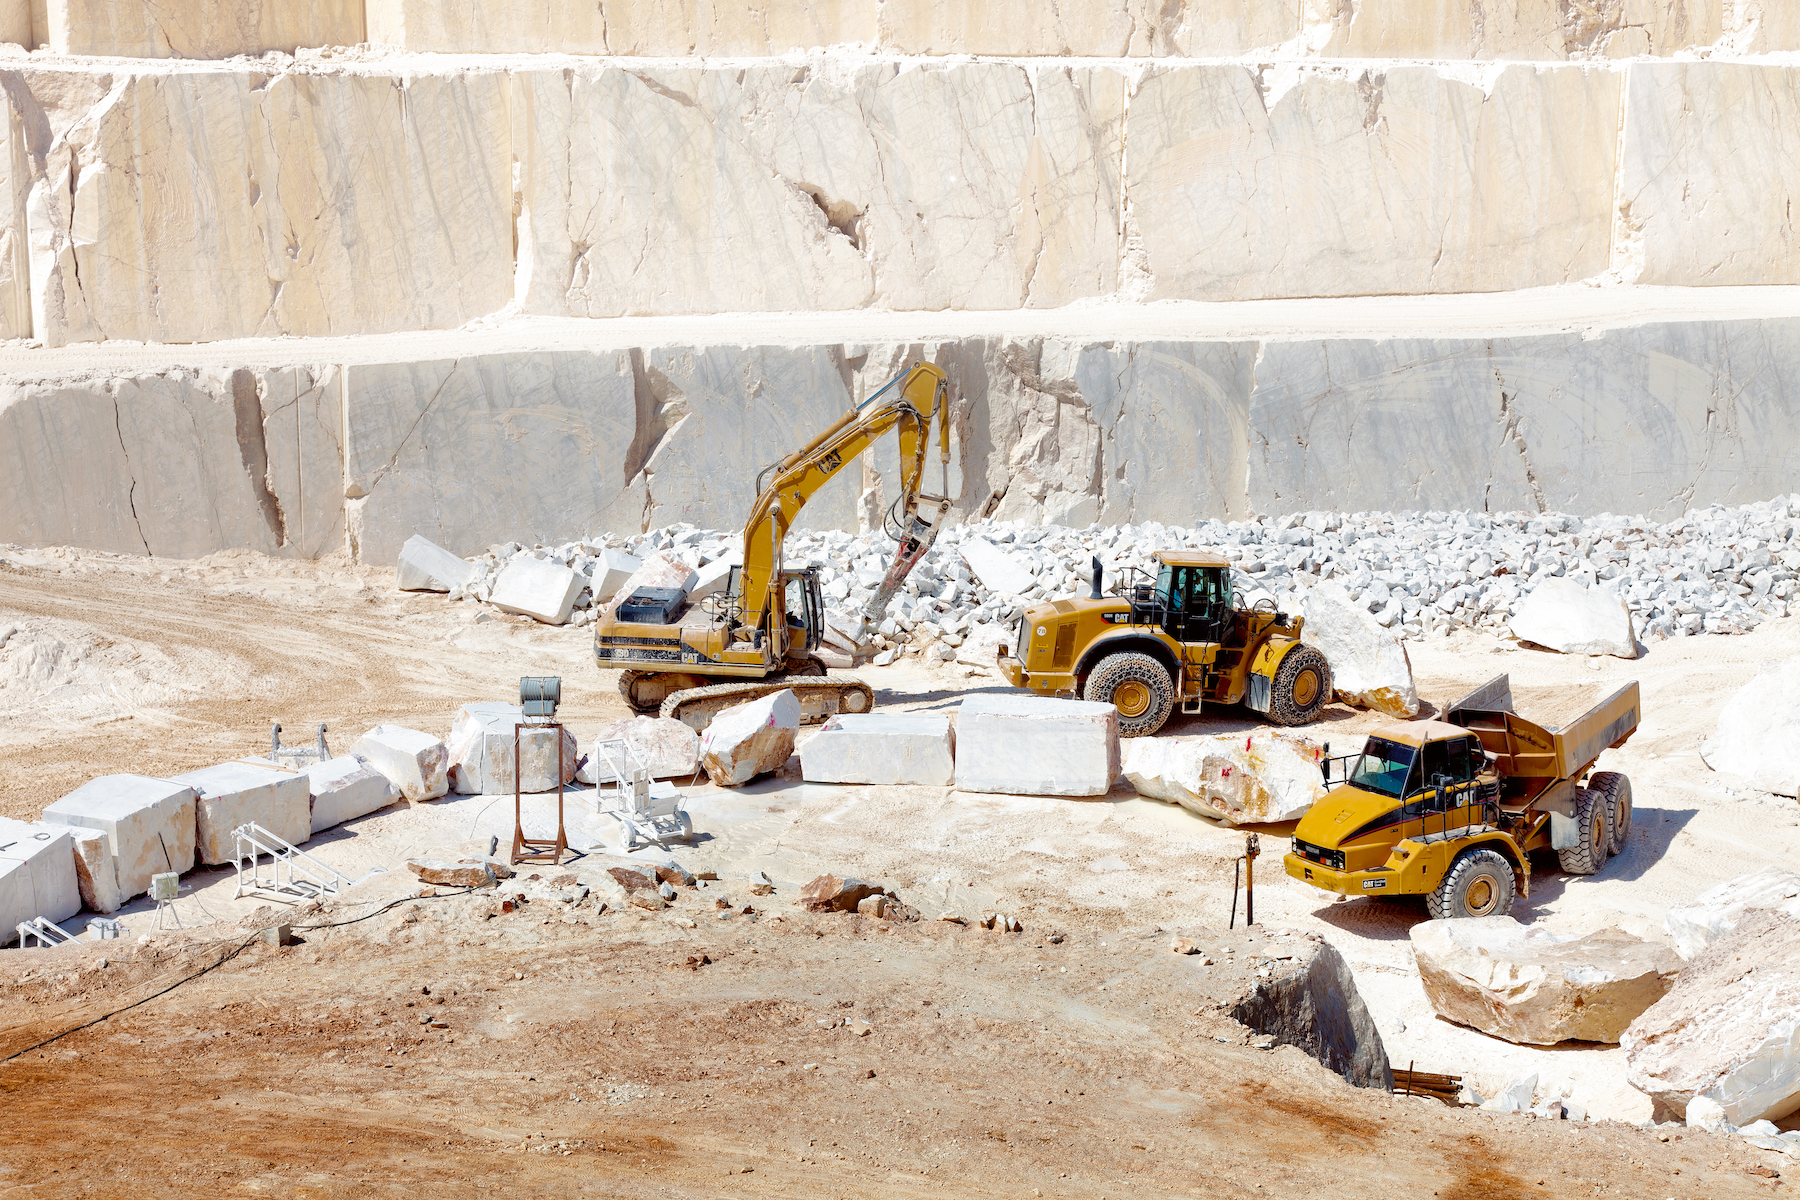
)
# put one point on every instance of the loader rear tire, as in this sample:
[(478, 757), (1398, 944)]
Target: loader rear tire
[(1617, 790), (1301, 687), (1589, 854), (1138, 686), (1478, 884)]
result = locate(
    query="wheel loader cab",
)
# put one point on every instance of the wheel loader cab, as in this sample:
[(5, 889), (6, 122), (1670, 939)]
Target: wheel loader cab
[(1190, 603)]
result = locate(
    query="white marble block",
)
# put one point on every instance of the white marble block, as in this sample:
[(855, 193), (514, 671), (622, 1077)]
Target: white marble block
[(481, 752), (96, 872), (346, 788), (426, 566), (1369, 666), (239, 793), (750, 739), (1565, 615), (1036, 746), (416, 763), (882, 748), (37, 874), (1720, 909), (712, 577), (660, 570), (1758, 736), (670, 747), (540, 588), (999, 569), (611, 569), (149, 824)]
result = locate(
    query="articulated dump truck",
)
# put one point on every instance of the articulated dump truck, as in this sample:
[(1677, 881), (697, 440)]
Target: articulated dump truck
[(1453, 810)]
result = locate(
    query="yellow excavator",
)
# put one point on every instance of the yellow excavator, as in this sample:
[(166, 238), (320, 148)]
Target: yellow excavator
[(760, 635)]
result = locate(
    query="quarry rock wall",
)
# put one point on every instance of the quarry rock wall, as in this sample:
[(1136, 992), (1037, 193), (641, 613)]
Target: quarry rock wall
[(302, 460), (1547, 30), (185, 172), (198, 202)]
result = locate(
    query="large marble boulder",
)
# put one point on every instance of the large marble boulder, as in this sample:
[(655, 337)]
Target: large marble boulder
[(611, 570), (669, 747), (1529, 985), (426, 566), (1369, 667), (1241, 779), (750, 739), (346, 788), (1758, 738), (241, 793), (1729, 1030), (1719, 910), (414, 762), (482, 759), (1566, 615), (1036, 746), (882, 748), (998, 570), (96, 871), (540, 588), (660, 570), (149, 825), (37, 874)]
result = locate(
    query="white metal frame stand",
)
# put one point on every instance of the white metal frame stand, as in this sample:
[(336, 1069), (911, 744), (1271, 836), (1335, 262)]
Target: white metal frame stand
[(293, 873)]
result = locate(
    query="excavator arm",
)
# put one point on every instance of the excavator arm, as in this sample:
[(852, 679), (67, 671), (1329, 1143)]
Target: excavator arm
[(909, 403)]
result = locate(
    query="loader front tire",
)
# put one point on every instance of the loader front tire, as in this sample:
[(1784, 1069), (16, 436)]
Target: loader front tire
[(1478, 884), (1589, 854), (1301, 687), (1617, 790), (1138, 686)]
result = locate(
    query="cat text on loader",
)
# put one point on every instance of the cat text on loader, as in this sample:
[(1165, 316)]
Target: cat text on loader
[(691, 661), (1452, 810), (1173, 638)]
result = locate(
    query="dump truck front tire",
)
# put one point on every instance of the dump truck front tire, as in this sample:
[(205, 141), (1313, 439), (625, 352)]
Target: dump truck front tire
[(1589, 854), (1138, 686), (1617, 790), (1301, 687), (1478, 884)]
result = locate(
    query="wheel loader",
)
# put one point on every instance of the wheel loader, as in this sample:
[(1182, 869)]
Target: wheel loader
[(1453, 810), (762, 633), (1174, 637)]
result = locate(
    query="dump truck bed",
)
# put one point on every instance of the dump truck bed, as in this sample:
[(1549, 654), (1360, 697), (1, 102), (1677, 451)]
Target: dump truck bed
[(1554, 748)]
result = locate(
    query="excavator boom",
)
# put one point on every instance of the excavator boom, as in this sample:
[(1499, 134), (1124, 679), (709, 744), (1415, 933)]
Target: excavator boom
[(691, 661), (910, 402)]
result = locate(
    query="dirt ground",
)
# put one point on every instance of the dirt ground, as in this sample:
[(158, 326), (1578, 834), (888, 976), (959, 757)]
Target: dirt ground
[(584, 1053)]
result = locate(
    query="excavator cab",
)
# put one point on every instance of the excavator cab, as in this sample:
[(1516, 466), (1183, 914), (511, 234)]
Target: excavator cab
[(805, 610)]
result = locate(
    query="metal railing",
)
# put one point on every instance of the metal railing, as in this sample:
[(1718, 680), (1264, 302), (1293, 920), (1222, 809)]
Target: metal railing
[(293, 873)]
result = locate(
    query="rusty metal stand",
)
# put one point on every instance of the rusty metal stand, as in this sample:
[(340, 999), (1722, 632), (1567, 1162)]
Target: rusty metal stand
[(538, 850)]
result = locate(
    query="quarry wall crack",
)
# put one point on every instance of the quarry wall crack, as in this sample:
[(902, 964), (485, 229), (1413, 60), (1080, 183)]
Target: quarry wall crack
[(394, 461), (131, 472)]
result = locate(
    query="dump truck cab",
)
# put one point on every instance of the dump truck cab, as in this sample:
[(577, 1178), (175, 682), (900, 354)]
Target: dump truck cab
[(1453, 809), (1171, 636)]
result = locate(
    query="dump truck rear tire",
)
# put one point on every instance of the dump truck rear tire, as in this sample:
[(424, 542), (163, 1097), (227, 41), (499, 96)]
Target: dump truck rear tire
[(1301, 687), (1478, 884), (1589, 854), (1138, 686), (1617, 790)]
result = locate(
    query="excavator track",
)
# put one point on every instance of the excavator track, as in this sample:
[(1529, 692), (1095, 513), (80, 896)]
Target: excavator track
[(819, 697)]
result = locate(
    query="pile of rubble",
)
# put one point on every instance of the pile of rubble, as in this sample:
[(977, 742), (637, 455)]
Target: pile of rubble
[(1714, 570)]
